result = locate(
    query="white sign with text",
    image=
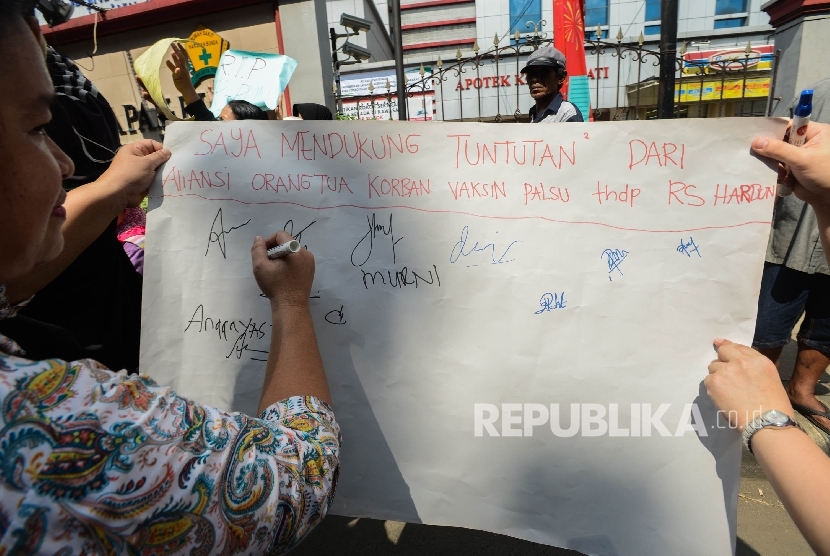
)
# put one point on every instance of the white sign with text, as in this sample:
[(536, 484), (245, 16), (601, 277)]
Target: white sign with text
[(515, 319)]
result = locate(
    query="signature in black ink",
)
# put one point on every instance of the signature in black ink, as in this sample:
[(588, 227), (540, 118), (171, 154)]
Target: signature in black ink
[(289, 227), (458, 249), (219, 237), (688, 248), (375, 229), (246, 331), (336, 316), (310, 296), (551, 301), (259, 354), (614, 259)]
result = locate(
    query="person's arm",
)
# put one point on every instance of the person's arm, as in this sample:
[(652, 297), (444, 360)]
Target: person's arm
[(800, 474), (294, 366), (194, 105), (200, 111), (809, 166), (181, 79), (92, 207), (225, 481), (181, 75), (742, 383)]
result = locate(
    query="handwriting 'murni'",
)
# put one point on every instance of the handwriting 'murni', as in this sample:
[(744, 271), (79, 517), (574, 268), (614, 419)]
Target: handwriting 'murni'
[(402, 278), (687, 248), (219, 236), (614, 258), (490, 248), (551, 302), (375, 229)]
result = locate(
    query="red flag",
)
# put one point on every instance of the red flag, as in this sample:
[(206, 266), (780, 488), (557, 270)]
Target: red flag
[(568, 38)]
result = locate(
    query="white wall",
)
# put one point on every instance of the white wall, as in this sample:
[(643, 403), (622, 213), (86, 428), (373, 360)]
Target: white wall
[(802, 61), (694, 16)]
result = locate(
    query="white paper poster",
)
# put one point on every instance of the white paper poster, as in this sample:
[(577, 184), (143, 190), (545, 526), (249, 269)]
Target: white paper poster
[(515, 319), (257, 77)]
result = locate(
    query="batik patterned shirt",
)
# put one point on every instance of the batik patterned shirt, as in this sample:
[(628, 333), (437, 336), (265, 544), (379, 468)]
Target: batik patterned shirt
[(96, 462)]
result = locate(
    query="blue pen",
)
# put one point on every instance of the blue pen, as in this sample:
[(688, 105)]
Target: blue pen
[(798, 133)]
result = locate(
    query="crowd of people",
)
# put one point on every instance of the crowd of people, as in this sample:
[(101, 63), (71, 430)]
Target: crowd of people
[(96, 461)]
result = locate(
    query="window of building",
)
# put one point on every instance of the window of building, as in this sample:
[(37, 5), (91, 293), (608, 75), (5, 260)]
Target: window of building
[(651, 30), (522, 11), (724, 7), (596, 13), (652, 10), (591, 34), (730, 22), (752, 108)]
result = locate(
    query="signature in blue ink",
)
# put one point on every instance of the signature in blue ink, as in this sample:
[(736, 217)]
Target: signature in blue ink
[(458, 250), (551, 302), (687, 248), (614, 258)]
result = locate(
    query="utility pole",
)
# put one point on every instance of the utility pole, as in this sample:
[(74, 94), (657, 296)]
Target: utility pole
[(336, 65), (399, 73), (668, 59)]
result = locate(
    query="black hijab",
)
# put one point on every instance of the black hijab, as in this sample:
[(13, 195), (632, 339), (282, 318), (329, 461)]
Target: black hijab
[(311, 111)]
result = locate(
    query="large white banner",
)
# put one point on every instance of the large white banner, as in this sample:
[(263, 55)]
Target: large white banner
[(515, 319)]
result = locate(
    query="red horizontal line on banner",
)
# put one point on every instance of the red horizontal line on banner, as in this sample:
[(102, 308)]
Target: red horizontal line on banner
[(473, 214), (429, 3), (442, 23), (455, 42)]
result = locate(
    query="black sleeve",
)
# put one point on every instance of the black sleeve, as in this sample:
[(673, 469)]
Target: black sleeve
[(199, 111)]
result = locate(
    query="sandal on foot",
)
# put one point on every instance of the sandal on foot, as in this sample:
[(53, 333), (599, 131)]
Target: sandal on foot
[(810, 414)]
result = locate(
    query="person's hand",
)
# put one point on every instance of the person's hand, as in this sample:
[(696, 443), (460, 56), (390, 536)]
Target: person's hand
[(181, 74), (145, 94), (744, 384), (280, 111), (809, 164), (285, 281), (133, 169)]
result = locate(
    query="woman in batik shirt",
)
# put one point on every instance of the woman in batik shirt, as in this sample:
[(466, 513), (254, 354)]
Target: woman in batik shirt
[(96, 462)]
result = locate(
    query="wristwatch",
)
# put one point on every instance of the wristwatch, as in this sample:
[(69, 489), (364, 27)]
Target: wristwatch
[(772, 418)]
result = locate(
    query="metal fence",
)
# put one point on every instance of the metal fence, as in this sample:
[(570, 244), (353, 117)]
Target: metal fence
[(707, 88)]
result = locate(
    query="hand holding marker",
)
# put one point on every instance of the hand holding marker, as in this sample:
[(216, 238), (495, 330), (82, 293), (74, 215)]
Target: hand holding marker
[(286, 248), (798, 133)]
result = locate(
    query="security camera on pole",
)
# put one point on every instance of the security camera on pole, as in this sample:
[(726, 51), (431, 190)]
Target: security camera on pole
[(58, 12), (354, 25)]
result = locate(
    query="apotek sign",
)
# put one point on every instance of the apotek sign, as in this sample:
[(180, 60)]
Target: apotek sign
[(487, 82)]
